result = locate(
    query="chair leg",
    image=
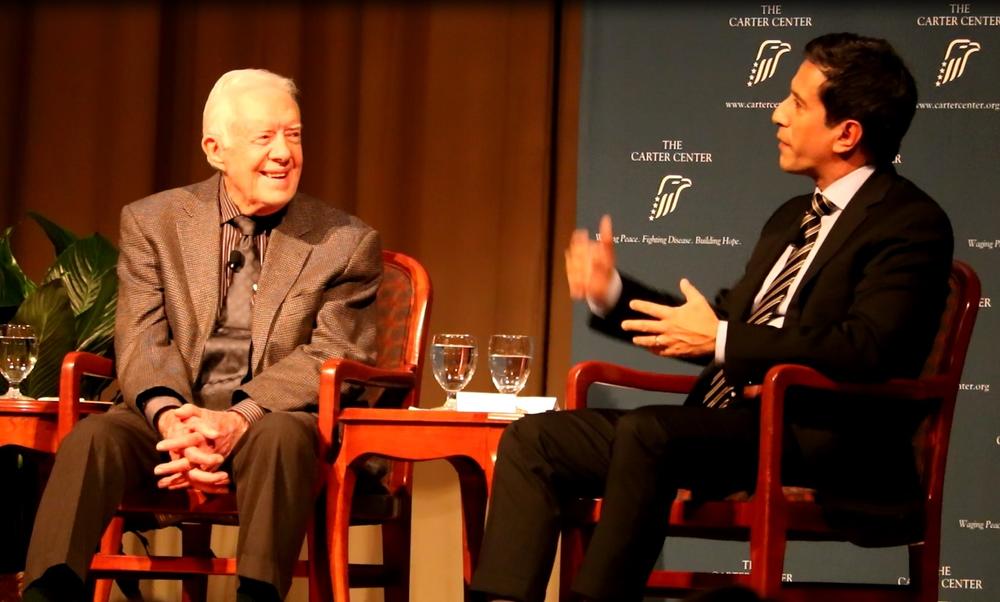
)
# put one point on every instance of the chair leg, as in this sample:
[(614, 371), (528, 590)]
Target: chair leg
[(767, 546), (196, 540), (472, 487), (111, 543), (923, 572), (396, 554), (319, 561), (340, 491), (572, 548)]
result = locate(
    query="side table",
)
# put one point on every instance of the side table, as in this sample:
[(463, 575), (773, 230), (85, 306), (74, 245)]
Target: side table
[(468, 440)]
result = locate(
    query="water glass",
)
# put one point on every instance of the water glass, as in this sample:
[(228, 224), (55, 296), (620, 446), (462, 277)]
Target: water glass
[(510, 361), (18, 354), (453, 360)]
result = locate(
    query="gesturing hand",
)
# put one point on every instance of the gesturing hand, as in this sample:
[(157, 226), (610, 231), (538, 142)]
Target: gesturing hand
[(590, 265), (686, 331)]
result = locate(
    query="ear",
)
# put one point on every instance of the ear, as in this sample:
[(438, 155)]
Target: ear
[(213, 151), (849, 136)]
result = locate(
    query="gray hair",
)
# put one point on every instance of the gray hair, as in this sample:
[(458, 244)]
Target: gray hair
[(218, 116)]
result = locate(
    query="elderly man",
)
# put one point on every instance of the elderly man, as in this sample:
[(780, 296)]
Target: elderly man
[(849, 279), (233, 291)]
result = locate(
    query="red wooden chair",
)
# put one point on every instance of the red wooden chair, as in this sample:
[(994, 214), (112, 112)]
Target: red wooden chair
[(403, 308), (774, 514)]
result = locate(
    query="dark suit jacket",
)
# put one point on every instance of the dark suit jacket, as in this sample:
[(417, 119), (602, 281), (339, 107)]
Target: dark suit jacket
[(867, 309), (315, 298)]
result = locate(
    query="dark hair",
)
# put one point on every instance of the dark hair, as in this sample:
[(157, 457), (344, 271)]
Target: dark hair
[(866, 81)]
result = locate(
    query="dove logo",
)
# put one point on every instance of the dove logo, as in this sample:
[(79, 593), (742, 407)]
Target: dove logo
[(766, 63), (955, 58), (667, 196)]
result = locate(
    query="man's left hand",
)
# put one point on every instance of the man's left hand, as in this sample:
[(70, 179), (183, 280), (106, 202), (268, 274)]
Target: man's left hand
[(686, 331)]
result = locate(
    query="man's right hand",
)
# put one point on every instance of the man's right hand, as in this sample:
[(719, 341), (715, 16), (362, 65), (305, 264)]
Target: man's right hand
[(590, 264)]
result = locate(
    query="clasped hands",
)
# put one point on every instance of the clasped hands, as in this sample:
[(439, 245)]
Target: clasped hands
[(198, 441), (684, 331)]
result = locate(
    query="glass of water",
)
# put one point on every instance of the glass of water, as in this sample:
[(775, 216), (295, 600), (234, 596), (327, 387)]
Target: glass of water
[(510, 361), (453, 359), (18, 354)]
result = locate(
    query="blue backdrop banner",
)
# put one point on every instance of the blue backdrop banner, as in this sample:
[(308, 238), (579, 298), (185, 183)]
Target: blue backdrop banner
[(677, 145)]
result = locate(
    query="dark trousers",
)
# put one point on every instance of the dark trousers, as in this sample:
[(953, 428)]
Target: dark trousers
[(636, 460), (274, 469)]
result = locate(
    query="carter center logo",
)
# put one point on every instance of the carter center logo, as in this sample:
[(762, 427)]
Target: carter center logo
[(955, 58), (766, 64), (667, 196)]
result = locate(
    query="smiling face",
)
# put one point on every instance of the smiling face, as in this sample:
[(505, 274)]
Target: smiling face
[(261, 160), (806, 145)]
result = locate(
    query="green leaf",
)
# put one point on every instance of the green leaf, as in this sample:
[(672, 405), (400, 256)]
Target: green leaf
[(48, 311), (60, 237), (96, 326), (14, 284), (81, 267)]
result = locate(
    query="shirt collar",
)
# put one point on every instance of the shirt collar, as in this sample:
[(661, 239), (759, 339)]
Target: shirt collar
[(843, 190), (227, 208)]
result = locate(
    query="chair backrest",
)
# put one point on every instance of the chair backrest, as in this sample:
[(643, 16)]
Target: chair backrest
[(947, 359), (947, 356), (402, 307)]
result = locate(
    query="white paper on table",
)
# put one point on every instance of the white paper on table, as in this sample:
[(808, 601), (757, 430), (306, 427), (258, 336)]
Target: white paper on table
[(472, 401), (503, 403), (535, 405)]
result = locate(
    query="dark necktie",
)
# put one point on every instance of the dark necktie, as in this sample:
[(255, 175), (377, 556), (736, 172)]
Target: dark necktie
[(226, 362), (721, 394), (239, 297)]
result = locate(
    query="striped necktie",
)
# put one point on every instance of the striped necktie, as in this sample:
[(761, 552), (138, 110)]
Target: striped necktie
[(720, 394)]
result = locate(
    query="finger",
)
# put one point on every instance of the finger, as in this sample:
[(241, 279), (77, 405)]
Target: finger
[(174, 481), (180, 465), (650, 340), (203, 458), (198, 476), (649, 308), (187, 411), (607, 234), (574, 275), (689, 291), (178, 443), (651, 326), (211, 489)]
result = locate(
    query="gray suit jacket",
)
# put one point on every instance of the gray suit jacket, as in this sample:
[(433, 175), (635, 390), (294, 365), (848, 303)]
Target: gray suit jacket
[(316, 296)]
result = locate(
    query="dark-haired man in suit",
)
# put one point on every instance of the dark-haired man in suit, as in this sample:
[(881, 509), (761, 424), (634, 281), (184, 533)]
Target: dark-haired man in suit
[(233, 291), (850, 279)]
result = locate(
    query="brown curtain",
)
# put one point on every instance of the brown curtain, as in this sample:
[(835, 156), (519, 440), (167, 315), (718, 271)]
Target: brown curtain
[(450, 127)]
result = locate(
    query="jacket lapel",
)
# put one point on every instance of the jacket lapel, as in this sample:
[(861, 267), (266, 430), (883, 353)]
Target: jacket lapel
[(770, 247), (284, 259), (870, 193), (198, 236)]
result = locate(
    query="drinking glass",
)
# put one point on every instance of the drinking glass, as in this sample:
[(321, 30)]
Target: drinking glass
[(18, 354), (453, 359), (510, 361)]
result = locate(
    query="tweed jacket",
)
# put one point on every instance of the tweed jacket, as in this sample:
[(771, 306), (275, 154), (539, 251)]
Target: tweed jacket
[(315, 297)]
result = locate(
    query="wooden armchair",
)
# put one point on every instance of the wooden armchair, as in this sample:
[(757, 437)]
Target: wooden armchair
[(774, 514), (402, 308)]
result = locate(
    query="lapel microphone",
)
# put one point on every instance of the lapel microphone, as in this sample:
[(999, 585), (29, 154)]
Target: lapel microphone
[(235, 260)]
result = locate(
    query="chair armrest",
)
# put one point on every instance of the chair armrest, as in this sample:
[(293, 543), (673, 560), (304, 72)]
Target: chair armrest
[(75, 365), (780, 378), (338, 371), (584, 374)]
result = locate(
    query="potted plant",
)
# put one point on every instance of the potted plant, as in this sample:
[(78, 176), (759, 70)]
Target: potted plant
[(71, 308)]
